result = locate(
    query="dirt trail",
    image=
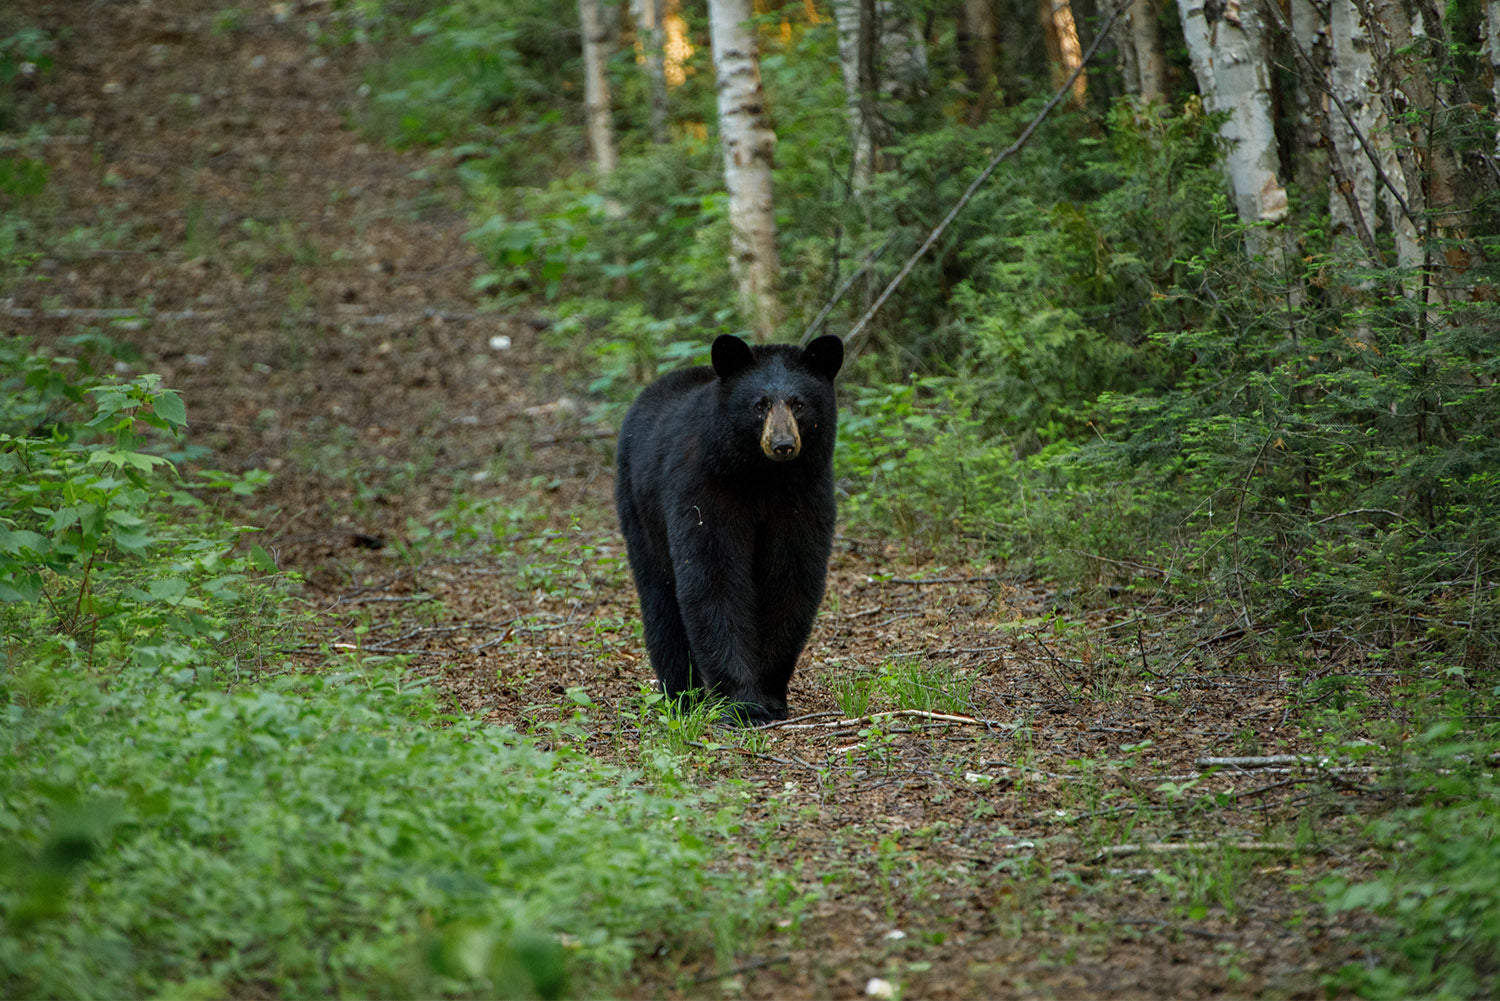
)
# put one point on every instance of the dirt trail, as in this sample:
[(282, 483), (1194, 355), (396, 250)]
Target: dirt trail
[(309, 292)]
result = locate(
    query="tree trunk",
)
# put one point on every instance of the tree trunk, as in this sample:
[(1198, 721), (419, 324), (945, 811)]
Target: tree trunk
[(976, 44), (1064, 52), (1227, 44), (596, 85), (1352, 78), (748, 144), (647, 14), (1147, 59), (1492, 49), (884, 64), (847, 19)]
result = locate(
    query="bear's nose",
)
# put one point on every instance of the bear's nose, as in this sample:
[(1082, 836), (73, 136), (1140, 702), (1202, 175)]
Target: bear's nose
[(785, 448)]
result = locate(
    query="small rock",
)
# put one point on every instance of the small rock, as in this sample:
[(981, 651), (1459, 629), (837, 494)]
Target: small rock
[(877, 988), (499, 343)]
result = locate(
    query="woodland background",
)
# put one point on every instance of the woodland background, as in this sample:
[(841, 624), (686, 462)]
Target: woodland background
[(1173, 334)]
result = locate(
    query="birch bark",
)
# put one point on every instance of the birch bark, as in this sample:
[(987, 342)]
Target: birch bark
[(1227, 45), (1492, 49), (748, 144), (596, 85), (1352, 78)]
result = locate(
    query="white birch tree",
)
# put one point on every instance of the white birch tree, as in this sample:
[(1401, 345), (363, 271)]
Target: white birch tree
[(882, 58), (1492, 49), (596, 85), (1227, 45), (861, 142), (1351, 74), (748, 146)]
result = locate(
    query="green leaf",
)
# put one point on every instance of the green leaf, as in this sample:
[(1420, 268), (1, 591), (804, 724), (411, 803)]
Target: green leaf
[(169, 407), (131, 539), (261, 560), (168, 589)]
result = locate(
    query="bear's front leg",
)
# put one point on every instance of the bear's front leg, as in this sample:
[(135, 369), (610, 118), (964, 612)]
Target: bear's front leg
[(716, 594)]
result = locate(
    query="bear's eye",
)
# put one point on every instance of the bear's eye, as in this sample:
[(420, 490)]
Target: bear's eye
[(795, 404), (761, 406)]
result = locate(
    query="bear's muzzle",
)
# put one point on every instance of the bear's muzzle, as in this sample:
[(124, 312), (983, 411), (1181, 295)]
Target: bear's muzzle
[(779, 438)]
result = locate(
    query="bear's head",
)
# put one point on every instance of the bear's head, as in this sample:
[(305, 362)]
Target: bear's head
[(780, 397)]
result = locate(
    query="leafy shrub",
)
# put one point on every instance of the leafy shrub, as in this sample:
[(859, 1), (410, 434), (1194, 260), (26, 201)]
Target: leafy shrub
[(316, 835), (1439, 901), (172, 822)]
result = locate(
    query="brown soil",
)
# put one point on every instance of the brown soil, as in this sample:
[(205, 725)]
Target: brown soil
[(309, 291)]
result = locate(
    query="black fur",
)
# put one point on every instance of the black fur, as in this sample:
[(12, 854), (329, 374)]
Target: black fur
[(729, 537)]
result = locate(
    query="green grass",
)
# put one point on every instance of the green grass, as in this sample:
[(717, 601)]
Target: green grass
[(913, 684)]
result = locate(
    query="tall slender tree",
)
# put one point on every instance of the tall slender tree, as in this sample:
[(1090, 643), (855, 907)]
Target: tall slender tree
[(1227, 44), (884, 63), (748, 144), (596, 85), (1147, 57)]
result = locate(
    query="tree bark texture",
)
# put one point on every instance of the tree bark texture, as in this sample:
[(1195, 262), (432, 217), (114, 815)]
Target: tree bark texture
[(1351, 75), (976, 45), (748, 146), (1064, 51), (1492, 50), (1147, 61), (596, 85), (1227, 44), (847, 20)]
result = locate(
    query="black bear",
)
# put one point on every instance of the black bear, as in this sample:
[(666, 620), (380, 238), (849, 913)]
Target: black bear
[(725, 496)]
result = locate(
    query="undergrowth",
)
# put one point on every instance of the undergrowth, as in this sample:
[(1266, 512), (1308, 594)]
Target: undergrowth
[(185, 809)]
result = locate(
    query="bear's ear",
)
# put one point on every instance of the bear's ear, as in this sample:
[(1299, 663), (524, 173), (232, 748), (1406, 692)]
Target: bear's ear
[(730, 355), (825, 356)]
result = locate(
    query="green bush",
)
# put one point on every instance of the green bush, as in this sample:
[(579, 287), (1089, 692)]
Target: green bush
[(1438, 903), (184, 812), (318, 836)]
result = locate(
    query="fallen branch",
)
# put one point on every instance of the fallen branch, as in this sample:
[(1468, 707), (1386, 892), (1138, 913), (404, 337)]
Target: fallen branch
[(1262, 761), (917, 581), (872, 717), (1186, 847)]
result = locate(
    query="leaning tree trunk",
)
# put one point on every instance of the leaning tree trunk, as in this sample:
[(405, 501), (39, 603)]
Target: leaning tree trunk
[(748, 144), (1227, 44), (596, 85)]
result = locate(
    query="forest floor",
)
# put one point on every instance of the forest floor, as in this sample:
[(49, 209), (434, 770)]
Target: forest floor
[(443, 488)]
